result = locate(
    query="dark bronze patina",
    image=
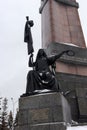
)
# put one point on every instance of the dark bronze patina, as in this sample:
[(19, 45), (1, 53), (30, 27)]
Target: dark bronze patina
[(42, 76), (28, 35)]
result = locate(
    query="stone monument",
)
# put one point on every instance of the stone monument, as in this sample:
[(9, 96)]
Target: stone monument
[(48, 111), (61, 30), (43, 105)]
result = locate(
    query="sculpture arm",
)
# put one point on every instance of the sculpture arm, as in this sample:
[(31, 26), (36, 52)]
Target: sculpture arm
[(31, 63), (59, 55), (51, 60)]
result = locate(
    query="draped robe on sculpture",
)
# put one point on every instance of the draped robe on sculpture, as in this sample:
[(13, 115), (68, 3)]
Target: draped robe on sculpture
[(41, 77)]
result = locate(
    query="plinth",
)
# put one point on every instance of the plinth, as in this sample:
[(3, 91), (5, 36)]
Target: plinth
[(48, 111)]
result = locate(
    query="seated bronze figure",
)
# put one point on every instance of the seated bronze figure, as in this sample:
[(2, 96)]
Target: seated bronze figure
[(41, 77)]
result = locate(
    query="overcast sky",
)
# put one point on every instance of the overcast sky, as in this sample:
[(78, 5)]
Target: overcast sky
[(13, 51)]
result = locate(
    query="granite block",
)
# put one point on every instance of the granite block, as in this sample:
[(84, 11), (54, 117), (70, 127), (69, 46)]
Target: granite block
[(46, 108), (49, 126), (40, 100)]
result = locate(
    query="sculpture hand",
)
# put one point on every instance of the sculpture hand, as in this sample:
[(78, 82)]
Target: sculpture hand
[(31, 55), (70, 53)]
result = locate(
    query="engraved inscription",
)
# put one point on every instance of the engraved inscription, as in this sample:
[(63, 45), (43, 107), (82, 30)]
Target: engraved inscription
[(41, 114)]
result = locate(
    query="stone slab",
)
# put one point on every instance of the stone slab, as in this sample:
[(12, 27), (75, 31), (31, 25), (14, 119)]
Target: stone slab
[(50, 126), (41, 101), (43, 109)]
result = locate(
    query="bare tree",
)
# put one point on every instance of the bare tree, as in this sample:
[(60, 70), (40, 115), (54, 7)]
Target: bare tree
[(10, 120), (4, 114)]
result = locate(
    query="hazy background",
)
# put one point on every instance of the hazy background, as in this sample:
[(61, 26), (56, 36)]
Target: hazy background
[(13, 51)]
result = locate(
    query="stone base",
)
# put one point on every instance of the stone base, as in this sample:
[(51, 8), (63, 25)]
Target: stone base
[(48, 111), (53, 126)]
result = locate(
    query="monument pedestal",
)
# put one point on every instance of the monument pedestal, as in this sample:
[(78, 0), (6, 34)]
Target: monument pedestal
[(47, 111)]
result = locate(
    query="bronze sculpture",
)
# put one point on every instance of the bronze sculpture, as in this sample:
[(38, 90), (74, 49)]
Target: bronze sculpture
[(41, 77)]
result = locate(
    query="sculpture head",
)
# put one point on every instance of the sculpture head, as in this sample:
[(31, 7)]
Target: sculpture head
[(41, 53)]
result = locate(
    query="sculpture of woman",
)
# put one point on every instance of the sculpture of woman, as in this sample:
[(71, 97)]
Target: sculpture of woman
[(41, 77)]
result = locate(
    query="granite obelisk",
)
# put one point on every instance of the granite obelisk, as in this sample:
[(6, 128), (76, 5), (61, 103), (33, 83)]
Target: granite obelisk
[(61, 30)]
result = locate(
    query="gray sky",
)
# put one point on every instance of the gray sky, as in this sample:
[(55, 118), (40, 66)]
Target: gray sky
[(13, 51)]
